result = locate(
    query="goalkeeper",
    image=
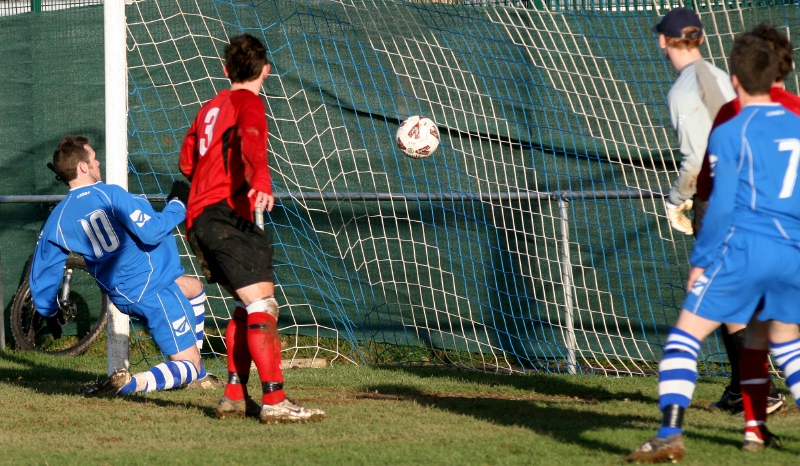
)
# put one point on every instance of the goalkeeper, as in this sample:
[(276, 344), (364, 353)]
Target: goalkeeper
[(224, 154), (130, 251)]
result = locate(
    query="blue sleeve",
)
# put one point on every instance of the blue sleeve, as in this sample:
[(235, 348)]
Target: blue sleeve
[(45, 276), (719, 216), (141, 220)]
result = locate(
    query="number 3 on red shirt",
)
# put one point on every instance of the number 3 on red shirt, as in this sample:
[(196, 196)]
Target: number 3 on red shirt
[(208, 123)]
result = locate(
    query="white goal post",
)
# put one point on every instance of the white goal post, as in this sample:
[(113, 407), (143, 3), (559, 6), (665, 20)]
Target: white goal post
[(116, 124)]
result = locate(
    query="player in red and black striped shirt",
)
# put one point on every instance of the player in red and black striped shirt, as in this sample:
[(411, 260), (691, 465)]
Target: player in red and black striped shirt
[(224, 155)]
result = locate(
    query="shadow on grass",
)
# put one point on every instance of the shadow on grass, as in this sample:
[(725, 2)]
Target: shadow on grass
[(542, 384), (43, 373), (47, 374), (549, 418), (547, 410)]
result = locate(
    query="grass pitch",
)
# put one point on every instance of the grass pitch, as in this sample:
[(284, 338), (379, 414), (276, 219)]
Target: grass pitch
[(376, 416)]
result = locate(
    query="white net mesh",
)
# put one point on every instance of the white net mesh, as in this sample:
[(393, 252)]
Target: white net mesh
[(534, 237)]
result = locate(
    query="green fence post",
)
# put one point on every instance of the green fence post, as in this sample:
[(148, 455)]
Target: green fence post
[(36, 5)]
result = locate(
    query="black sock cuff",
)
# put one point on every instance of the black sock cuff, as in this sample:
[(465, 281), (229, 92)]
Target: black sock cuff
[(673, 416), (269, 387)]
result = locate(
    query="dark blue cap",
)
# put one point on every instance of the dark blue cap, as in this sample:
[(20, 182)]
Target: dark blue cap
[(675, 20)]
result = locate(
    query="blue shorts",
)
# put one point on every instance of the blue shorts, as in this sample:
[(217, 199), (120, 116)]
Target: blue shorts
[(169, 318), (749, 268)]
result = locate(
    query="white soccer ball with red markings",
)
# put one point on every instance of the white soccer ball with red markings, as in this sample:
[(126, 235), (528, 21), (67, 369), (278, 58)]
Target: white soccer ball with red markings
[(418, 137)]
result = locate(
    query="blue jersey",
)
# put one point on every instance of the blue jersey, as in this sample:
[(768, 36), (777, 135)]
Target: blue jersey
[(128, 246), (754, 160)]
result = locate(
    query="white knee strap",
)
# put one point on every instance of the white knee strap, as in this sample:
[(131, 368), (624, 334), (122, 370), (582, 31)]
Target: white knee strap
[(272, 307), (268, 305)]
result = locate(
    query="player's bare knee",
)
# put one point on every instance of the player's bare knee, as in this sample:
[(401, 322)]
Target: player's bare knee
[(190, 286), (191, 354)]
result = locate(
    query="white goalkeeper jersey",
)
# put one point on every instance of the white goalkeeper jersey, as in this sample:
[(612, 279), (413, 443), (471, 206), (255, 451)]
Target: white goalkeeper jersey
[(692, 120), (754, 159), (127, 245)]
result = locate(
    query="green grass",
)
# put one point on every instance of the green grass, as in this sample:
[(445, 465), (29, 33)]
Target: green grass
[(375, 416)]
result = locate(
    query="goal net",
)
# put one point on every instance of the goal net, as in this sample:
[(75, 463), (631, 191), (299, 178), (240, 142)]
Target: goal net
[(534, 238)]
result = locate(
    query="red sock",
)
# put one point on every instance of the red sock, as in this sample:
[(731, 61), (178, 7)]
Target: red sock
[(754, 370), (265, 348), (238, 355)]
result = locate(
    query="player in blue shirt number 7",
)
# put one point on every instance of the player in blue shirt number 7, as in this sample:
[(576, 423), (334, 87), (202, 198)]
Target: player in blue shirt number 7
[(747, 251)]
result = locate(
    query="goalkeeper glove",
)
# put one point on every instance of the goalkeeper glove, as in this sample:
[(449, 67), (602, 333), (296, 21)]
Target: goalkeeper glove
[(180, 191), (677, 218), (55, 321)]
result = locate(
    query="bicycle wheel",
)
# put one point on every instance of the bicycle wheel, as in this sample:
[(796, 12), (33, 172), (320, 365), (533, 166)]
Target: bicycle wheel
[(29, 328)]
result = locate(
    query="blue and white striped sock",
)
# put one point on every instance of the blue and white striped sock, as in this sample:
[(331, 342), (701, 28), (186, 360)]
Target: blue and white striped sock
[(163, 376), (787, 355), (199, 306), (677, 374)]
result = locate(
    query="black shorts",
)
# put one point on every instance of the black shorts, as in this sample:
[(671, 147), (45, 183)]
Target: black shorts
[(230, 249)]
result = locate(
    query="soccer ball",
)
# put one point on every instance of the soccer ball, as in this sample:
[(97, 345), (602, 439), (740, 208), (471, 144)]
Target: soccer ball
[(418, 137)]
